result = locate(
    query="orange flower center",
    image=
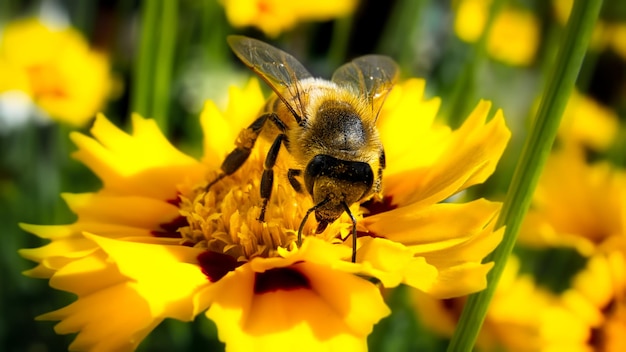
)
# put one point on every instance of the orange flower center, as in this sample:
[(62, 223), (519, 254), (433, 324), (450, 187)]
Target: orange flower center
[(45, 82)]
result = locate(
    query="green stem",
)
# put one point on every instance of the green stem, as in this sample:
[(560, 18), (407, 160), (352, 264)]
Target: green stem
[(463, 96), (144, 64), (340, 40), (163, 63), (534, 155), (402, 32)]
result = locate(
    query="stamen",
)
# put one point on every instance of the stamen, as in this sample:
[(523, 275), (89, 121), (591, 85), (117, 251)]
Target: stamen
[(224, 219)]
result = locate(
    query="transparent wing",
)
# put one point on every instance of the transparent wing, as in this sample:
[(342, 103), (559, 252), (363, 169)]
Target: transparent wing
[(370, 76), (281, 71)]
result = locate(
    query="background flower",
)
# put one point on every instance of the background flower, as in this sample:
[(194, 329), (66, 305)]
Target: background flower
[(583, 210), (56, 68), (523, 317), (515, 35), (276, 16), (597, 296)]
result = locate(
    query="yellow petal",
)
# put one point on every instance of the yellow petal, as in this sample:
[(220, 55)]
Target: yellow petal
[(435, 224), (113, 319), (406, 127), (470, 156), (460, 280), (334, 311), (221, 128), (121, 210), (143, 163), (166, 276), (472, 249), (59, 253), (87, 275), (393, 264)]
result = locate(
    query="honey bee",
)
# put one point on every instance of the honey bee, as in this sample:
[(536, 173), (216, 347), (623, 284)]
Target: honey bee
[(329, 128)]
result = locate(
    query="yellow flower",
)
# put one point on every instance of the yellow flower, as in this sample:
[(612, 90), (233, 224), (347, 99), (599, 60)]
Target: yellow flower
[(152, 244), (606, 34), (522, 317), (598, 296), (56, 68), (276, 16), (576, 204), (588, 123), (618, 39), (514, 37)]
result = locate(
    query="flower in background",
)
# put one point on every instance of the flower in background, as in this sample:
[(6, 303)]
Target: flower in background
[(522, 317), (153, 244), (56, 68), (588, 123), (576, 204), (514, 37), (607, 34), (276, 16), (598, 296)]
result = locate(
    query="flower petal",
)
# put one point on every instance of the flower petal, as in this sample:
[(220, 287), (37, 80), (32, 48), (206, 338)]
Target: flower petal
[(393, 264), (221, 128), (166, 276), (310, 318), (460, 280), (120, 210), (112, 319), (470, 156), (435, 225), (143, 163)]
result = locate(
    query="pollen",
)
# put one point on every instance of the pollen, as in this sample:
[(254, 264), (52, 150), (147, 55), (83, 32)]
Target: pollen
[(224, 219)]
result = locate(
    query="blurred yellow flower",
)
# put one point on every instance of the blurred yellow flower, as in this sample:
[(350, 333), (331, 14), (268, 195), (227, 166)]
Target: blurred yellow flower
[(522, 317), (588, 123), (618, 39), (606, 34), (276, 16), (56, 68), (576, 204), (598, 296), (514, 37), (152, 244)]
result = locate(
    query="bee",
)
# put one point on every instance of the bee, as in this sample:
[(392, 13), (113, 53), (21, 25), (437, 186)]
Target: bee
[(328, 127)]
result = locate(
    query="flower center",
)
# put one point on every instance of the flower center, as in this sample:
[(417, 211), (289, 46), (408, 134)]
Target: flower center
[(224, 219), (45, 82)]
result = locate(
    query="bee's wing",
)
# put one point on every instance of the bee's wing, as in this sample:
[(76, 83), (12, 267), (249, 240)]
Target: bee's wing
[(281, 71), (370, 76)]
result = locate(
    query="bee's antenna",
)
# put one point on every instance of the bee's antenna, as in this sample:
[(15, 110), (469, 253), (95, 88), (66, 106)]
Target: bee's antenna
[(347, 209), (306, 216)]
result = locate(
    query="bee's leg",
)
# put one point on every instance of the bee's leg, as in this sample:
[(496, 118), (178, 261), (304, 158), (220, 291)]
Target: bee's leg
[(245, 142), (268, 173), (291, 176), (354, 233)]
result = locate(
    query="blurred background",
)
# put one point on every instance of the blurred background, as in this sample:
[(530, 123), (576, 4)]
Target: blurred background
[(61, 62)]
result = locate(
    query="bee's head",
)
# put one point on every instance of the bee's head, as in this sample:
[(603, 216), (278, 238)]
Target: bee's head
[(331, 182)]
